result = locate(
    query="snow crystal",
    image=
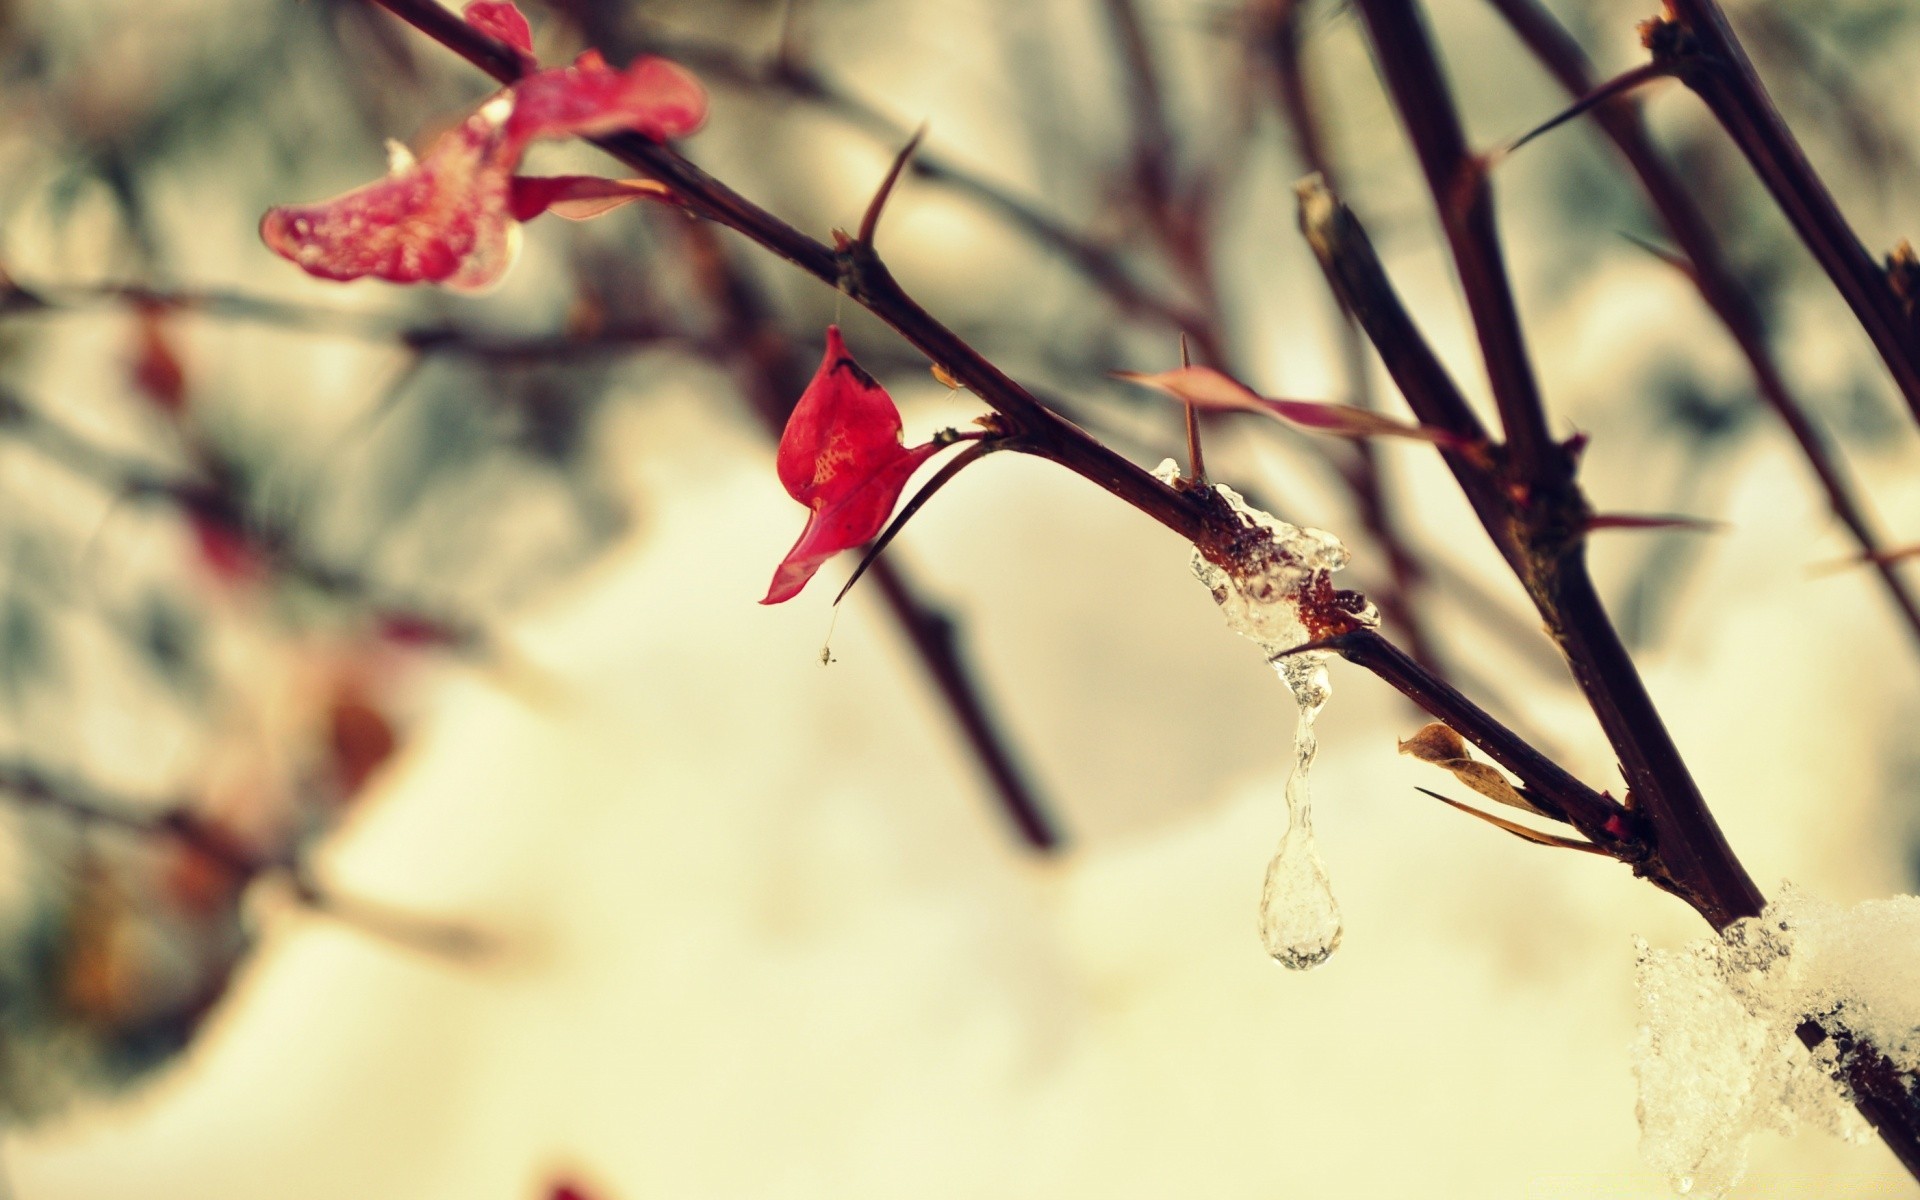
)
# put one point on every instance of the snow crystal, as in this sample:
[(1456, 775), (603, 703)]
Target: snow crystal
[(1260, 598), (1718, 1056)]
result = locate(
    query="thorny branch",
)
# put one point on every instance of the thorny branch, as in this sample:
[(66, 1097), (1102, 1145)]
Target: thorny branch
[(1695, 41), (1522, 488), (1544, 514), (1718, 283)]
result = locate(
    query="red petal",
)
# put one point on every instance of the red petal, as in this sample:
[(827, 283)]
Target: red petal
[(579, 197), (841, 456), (654, 97), (500, 19), (443, 219)]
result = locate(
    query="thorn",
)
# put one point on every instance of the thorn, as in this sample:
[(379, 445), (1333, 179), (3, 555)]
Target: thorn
[(1654, 521), (1613, 88), (941, 478), (1196, 461), (871, 220), (1523, 832), (1674, 259)]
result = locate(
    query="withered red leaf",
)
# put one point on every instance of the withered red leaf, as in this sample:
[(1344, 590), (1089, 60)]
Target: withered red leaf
[(452, 216), (1204, 387), (842, 456)]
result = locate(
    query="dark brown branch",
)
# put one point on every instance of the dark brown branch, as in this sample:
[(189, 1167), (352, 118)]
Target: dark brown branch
[(1719, 285), (1698, 45)]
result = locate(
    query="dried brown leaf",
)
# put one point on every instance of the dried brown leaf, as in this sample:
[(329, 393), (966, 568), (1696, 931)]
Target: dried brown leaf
[(1439, 745)]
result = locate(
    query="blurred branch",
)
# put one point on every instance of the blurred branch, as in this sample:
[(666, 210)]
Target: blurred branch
[(31, 786), (427, 338)]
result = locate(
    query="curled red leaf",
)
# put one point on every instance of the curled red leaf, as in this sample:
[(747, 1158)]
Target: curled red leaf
[(842, 456), (452, 216), (1204, 387), (499, 19)]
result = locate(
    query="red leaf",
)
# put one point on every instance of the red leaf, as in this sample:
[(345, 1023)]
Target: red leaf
[(450, 218), (1204, 387), (842, 456), (579, 197), (501, 20)]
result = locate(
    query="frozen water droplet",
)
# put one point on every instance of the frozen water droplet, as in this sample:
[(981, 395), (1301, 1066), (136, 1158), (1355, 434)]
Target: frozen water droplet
[(1299, 918), (1261, 597)]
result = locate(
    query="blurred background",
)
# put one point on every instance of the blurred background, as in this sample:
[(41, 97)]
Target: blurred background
[(403, 794)]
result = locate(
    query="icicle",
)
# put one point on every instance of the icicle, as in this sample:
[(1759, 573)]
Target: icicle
[(1262, 599), (1299, 918)]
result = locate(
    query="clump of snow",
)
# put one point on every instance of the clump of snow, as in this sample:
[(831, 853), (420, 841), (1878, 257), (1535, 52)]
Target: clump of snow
[(1261, 597), (1718, 1056)]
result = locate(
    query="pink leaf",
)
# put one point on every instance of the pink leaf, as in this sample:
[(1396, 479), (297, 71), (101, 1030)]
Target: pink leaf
[(579, 197), (443, 219), (500, 20), (451, 218), (842, 456), (1204, 387), (652, 97)]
